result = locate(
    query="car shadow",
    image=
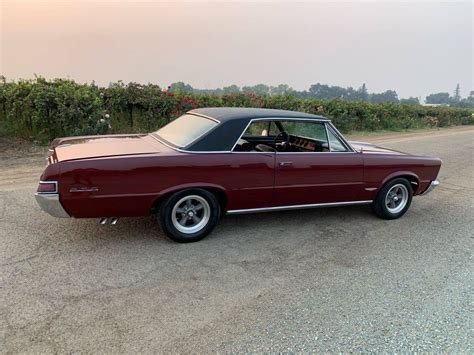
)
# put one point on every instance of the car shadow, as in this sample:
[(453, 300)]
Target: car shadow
[(269, 226)]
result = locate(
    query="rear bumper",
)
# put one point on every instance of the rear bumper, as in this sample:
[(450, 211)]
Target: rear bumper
[(50, 203), (431, 187)]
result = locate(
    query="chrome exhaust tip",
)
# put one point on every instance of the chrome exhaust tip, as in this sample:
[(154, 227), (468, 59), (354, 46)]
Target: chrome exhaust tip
[(114, 220), (103, 220)]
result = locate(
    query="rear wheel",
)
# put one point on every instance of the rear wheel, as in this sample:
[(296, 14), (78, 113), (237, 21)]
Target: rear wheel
[(189, 215), (394, 199)]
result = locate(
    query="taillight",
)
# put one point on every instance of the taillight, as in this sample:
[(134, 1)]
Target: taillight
[(47, 187)]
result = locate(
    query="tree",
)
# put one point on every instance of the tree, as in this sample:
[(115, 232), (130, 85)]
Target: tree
[(181, 88), (410, 101), (259, 89), (232, 89), (351, 95), (468, 102), (457, 94), (326, 92), (389, 96), (440, 98), (281, 89), (363, 93)]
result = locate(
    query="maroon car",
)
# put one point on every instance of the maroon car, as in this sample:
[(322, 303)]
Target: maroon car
[(213, 161)]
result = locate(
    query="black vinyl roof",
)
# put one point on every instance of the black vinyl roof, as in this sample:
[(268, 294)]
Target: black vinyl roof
[(233, 121), (229, 113)]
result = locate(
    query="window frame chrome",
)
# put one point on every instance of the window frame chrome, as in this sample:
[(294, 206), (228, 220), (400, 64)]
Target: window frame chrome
[(310, 120), (330, 127), (171, 145), (326, 123)]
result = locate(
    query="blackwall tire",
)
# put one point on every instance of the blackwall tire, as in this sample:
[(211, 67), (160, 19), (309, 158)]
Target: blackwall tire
[(189, 215), (394, 199)]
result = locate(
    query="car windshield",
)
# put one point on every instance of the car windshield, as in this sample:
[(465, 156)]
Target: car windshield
[(185, 129)]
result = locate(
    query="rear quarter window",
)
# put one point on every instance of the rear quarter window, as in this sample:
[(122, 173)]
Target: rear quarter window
[(186, 129)]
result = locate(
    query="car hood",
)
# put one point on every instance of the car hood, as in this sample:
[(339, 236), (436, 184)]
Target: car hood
[(372, 148), (73, 148)]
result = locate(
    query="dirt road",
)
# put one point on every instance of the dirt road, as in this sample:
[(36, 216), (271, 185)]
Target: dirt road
[(329, 280)]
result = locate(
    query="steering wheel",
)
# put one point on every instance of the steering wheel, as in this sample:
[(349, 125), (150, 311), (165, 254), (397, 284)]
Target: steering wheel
[(285, 136)]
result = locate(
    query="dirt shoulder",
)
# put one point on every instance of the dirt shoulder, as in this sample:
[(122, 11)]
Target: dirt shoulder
[(21, 163), (375, 137)]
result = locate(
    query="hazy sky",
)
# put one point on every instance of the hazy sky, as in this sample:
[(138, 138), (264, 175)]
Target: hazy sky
[(413, 47)]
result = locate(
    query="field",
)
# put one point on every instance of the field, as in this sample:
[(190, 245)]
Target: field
[(41, 110)]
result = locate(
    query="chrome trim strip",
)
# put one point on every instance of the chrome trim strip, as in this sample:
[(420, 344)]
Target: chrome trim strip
[(153, 134), (433, 185), (231, 152), (50, 204), (294, 207), (190, 151), (338, 136), (341, 137), (278, 119), (327, 136), (316, 153), (326, 121), (205, 133), (200, 114), (241, 135), (83, 189), (253, 152)]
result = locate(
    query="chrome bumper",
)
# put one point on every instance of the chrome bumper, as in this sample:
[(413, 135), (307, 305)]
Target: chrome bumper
[(50, 203), (430, 188)]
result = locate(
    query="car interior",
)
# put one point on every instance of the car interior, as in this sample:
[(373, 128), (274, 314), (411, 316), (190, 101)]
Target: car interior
[(285, 136)]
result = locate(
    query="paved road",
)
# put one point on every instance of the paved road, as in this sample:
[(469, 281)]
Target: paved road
[(326, 280)]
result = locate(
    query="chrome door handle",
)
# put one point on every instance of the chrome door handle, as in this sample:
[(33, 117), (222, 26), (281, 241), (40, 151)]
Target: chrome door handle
[(286, 163)]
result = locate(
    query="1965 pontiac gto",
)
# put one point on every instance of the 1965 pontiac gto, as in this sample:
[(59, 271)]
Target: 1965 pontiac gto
[(213, 161)]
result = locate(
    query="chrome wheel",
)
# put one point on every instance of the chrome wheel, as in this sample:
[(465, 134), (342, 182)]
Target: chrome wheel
[(396, 198), (191, 214)]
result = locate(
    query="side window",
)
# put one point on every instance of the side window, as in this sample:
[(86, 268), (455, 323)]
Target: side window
[(335, 143), (307, 136), (261, 129), (310, 130)]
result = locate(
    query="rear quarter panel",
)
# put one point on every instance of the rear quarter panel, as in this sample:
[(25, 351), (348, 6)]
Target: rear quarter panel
[(128, 186)]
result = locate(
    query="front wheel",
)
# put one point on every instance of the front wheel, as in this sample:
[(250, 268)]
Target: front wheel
[(394, 199), (189, 215)]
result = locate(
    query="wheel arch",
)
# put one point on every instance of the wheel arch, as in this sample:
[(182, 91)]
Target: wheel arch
[(409, 175), (216, 190)]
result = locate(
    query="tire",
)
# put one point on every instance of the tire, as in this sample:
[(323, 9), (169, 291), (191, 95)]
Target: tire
[(394, 199), (189, 215)]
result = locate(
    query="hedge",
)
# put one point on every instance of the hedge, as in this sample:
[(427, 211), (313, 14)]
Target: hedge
[(41, 109)]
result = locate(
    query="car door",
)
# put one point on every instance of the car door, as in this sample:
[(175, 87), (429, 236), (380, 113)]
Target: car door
[(334, 173), (250, 174)]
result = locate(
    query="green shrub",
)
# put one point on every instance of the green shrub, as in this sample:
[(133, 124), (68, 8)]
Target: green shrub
[(43, 109)]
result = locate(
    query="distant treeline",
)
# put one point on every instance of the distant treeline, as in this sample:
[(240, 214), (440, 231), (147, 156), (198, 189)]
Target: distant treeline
[(42, 109), (327, 92)]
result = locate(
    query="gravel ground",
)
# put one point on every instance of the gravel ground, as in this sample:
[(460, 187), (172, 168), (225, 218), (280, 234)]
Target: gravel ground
[(327, 280)]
